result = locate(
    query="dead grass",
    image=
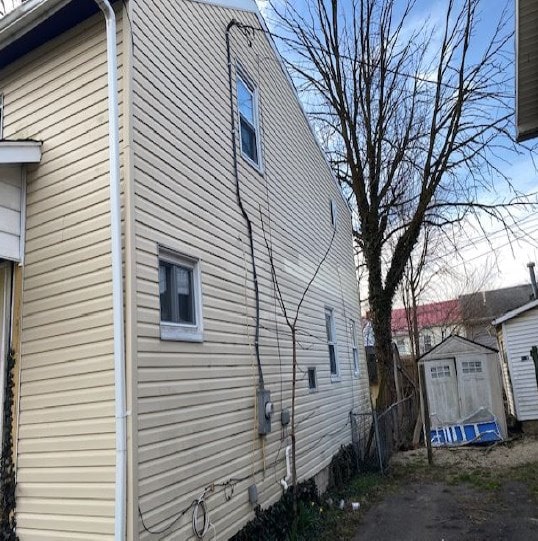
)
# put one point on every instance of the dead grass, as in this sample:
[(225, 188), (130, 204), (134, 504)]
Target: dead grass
[(484, 468)]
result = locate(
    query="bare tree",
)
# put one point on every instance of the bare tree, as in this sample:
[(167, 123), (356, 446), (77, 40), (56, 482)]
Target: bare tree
[(414, 120), (292, 318)]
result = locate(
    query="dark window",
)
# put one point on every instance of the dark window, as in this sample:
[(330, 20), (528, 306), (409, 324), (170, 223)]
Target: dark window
[(331, 341), (312, 383), (176, 292)]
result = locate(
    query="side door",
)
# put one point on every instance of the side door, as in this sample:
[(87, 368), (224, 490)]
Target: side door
[(442, 386)]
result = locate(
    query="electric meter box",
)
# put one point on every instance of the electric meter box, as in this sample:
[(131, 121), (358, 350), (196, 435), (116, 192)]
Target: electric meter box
[(265, 411)]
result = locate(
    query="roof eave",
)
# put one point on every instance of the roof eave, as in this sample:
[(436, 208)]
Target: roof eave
[(515, 312), (25, 17)]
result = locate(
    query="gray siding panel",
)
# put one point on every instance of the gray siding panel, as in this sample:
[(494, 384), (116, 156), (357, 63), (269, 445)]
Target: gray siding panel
[(521, 333)]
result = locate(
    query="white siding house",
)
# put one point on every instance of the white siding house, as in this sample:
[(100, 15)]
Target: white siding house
[(517, 334)]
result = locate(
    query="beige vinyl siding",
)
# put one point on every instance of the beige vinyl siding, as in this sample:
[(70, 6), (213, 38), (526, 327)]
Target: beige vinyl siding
[(66, 430), (519, 337), (527, 69), (196, 401)]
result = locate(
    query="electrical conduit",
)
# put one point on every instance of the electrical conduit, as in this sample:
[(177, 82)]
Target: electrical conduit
[(120, 516)]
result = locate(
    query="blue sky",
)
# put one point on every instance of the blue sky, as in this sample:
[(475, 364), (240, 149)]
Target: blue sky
[(509, 256)]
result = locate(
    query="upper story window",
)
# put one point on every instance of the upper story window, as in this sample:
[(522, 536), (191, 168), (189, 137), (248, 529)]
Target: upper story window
[(247, 101), (331, 342), (354, 343), (180, 296), (428, 342)]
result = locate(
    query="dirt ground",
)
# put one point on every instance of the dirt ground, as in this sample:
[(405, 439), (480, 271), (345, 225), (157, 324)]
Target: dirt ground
[(470, 494)]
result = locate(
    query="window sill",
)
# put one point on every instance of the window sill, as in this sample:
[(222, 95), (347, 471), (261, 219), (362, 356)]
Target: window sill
[(181, 333), (335, 378), (252, 163)]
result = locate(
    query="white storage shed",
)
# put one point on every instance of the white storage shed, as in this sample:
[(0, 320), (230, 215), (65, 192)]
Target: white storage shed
[(517, 334), (464, 389)]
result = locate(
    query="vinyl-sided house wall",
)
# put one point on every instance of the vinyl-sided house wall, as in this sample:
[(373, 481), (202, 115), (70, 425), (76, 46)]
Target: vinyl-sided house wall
[(517, 335), (196, 400), (66, 426)]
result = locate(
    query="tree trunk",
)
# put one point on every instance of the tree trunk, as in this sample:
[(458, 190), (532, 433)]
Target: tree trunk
[(381, 314), (416, 330)]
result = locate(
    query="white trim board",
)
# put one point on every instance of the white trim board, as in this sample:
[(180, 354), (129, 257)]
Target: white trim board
[(19, 152)]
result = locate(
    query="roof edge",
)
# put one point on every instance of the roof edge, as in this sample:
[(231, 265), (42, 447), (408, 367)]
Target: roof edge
[(515, 312), (25, 17), (242, 5), (459, 337)]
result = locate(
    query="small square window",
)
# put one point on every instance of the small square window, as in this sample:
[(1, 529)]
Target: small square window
[(471, 367), (312, 380), (247, 101), (440, 372), (331, 343), (180, 297)]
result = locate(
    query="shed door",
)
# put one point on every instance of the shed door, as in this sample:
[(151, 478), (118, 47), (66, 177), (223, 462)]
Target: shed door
[(442, 386), (474, 386), (10, 213)]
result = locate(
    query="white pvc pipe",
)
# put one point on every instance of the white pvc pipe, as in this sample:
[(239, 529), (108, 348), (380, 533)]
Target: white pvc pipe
[(285, 482), (120, 515)]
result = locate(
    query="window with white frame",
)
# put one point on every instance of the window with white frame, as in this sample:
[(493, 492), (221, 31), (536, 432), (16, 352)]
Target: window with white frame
[(471, 367), (331, 342), (428, 342), (247, 102), (180, 294), (440, 372), (354, 343)]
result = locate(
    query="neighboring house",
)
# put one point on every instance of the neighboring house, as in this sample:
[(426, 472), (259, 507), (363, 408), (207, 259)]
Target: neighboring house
[(517, 333), (478, 310), (137, 394), (469, 315), (464, 389), (435, 320)]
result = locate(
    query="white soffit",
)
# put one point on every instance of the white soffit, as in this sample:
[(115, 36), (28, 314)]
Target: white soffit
[(243, 5), (19, 152), (25, 17)]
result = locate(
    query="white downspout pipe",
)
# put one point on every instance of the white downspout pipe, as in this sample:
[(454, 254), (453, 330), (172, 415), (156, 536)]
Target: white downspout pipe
[(120, 514), (285, 482)]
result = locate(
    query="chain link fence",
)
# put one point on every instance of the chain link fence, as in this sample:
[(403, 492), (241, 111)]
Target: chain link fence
[(377, 435)]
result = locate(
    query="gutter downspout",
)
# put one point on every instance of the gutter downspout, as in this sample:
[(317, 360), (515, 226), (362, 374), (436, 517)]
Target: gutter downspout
[(120, 516)]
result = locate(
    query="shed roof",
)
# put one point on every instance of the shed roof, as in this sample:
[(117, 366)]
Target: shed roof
[(451, 344)]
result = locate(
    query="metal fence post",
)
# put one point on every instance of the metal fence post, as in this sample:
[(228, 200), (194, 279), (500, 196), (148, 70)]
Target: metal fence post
[(378, 442)]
